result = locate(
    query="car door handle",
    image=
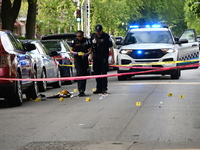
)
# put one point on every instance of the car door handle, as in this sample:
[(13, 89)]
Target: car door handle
[(194, 45)]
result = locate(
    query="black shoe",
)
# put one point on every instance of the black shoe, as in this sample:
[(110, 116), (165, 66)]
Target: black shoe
[(81, 94), (97, 92), (104, 92)]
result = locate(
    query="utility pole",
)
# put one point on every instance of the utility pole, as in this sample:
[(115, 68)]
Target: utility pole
[(85, 21)]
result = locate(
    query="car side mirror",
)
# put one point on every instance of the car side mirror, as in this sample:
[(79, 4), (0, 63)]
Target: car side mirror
[(53, 53), (30, 47), (176, 39)]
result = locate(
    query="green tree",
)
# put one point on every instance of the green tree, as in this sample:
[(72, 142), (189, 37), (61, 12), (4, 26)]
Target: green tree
[(168, 12), (113, 14), (56, 16), (192, 14)]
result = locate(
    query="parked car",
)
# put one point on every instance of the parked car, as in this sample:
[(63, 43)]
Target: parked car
[(68, 37), (16, 63), (60, 50), (119, 39), (116, 51), (46, 66)]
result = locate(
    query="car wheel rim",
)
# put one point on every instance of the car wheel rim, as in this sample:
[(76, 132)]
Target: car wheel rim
[(19, 90), (44, 83), (59, 77), (35, 85)]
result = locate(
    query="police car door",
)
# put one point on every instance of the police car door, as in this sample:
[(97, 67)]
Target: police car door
[(188, 48)]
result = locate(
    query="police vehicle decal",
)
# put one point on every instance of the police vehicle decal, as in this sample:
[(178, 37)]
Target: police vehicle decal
[(190, 56)]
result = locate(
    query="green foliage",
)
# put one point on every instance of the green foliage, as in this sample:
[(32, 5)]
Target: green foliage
[(192, 13), (113, 14), (56, 16)]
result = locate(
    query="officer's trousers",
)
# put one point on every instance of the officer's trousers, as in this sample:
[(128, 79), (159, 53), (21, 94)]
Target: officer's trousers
[(100, 66), (81, 65)]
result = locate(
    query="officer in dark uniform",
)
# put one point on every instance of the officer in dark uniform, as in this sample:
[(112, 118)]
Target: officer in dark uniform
[(81, 48), (101, 43)]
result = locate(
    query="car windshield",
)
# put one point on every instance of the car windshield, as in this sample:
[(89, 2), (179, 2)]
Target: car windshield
[(52, 45), (148, 37)]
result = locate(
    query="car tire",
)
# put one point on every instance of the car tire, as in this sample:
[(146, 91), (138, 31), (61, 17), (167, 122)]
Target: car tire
[(121, 78), (57, 84), (42, 84), (32, 92), (176, 75), (16, 98)]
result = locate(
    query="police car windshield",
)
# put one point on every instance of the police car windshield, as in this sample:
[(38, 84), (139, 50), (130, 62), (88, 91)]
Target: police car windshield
[(148, 37)]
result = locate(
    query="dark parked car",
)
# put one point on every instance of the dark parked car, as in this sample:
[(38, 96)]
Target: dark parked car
[(68, 37), (119, 39), (46, 66), (59, 49), (16, 63)]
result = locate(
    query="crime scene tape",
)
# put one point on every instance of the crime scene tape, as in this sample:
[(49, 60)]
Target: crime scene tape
[(99, 76), (146, 64)]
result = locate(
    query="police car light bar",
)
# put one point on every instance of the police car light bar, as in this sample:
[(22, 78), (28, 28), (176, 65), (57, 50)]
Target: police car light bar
[(134, 27), (148, 26), (156, 26)]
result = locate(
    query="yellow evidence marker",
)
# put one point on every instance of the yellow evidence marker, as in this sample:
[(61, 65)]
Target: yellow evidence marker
[(37, 99), (138, 104), (170, 95), (61, 99), (87, 99), (75, 90), (181, 96)]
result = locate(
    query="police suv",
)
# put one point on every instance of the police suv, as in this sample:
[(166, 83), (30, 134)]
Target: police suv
[(156, 45)]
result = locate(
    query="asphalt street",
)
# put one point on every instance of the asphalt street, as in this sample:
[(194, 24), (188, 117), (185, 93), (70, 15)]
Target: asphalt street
[(144, 112)]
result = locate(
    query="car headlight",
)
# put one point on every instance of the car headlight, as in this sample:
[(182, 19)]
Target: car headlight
[(168, 50), (125, 51)]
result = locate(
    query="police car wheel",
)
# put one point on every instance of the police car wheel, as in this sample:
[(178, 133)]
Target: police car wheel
[(176, 75), (121, 78)]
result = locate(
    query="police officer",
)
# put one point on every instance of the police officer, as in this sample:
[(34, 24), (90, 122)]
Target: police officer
[(81, 48), (101, 43)]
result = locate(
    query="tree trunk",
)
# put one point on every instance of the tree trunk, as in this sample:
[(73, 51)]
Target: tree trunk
[(9, 13), (31, 19)]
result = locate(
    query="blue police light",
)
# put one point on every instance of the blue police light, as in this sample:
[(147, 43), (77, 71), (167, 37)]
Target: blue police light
[(147, 26), (156, 26), (133, 27), (23, 63), (139, 52)]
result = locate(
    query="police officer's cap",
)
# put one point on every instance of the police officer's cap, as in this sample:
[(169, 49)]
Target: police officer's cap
[(98, 28)]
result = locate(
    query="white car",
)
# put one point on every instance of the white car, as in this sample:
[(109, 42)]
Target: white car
[(155, 45), (115, 51)]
